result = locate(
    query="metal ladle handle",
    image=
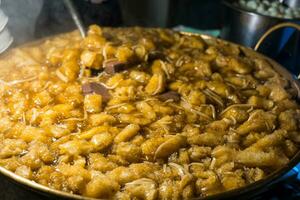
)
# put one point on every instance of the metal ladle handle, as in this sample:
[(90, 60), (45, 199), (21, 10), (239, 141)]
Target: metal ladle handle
[(76, 17), (274, 28)]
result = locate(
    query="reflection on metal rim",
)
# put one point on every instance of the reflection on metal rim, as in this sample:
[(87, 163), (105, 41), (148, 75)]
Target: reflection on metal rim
[(247, 190), (38, 187)]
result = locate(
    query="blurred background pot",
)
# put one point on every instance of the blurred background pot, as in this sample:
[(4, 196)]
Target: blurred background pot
[(5, 37), (247, 27)]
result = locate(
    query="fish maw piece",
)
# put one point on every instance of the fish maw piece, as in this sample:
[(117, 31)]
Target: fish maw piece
[(97, 88)]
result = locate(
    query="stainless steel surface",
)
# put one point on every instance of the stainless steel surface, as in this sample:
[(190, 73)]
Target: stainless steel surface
[(240, 193), (3, 20), (75, 16), (5, 37), (292, 3)]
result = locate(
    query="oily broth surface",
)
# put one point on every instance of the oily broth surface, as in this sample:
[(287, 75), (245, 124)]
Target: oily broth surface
[(180, 118)]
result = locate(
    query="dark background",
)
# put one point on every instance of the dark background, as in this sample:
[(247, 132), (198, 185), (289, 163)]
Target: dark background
[(202, 14), (31, 19)]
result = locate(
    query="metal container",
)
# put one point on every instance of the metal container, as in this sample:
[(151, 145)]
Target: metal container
[(246, 192), (247, 27), (5, 37)]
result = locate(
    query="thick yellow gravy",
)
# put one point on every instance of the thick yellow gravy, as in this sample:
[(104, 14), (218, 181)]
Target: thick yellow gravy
[(143, 114)]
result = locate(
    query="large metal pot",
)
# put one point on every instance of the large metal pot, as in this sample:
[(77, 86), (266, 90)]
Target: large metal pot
[(247, 28), (246, 192)]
